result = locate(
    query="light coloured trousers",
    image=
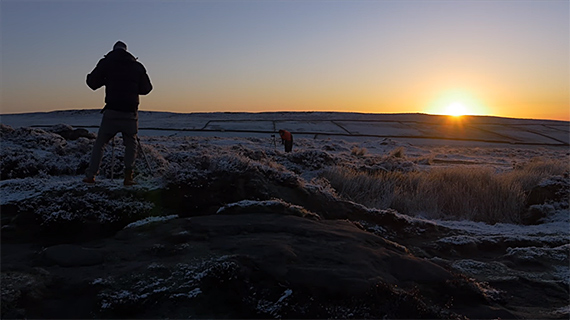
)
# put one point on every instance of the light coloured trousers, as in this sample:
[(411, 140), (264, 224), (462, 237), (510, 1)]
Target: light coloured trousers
[(114, 122)]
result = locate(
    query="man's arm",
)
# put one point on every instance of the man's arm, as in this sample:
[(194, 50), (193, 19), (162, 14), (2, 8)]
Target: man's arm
[(96, 79), (145, 87)]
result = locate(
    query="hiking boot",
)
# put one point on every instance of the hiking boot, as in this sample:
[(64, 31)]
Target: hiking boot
[(89, 180), (129, 181)]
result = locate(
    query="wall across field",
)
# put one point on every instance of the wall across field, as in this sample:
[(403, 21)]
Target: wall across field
[(415, 128)]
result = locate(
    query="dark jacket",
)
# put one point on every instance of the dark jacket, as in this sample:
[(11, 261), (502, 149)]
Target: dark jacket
[(285, 135), (124, 79)]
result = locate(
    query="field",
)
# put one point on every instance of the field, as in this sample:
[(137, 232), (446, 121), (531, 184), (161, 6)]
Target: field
[(371, 215)]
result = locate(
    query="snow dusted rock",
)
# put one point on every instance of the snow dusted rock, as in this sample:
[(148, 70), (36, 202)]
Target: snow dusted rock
[(543, 198), (269, 206), (555, 189), (69, 133), (535, 213), (33, 138), (314, 159), (271, 266), (73, 210), (32, 152), (5, 129)]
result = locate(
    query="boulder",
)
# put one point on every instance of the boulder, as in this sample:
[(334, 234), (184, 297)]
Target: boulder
[(555, 189), (69, 255)]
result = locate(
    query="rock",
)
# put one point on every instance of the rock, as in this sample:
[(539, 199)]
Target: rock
[(274, 265), (535, 213), (5, 129), (67, 255), (268, 206), (22, 289), (68, 133), (314, 159), (553, 189)]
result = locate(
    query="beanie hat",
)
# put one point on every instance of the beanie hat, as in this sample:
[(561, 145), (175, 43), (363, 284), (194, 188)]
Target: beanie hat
[(120, 45)]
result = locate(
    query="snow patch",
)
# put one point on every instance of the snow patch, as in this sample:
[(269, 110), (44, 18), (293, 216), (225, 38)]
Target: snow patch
[(265, 203), (149, 220), (560, 253), (273, 308)]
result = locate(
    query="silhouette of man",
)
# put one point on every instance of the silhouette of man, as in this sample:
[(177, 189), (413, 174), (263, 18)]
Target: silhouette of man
[(286, 140), (124, 79)]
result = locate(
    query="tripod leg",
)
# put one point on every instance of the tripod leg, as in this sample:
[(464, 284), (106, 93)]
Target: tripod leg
[(144, 155), (112, 157)]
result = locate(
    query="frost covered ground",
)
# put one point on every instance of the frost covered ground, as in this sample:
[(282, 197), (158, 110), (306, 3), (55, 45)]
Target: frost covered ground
[(222, 197)]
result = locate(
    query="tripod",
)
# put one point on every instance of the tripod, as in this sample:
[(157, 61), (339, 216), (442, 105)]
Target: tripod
[(144, 155), (112, 158)]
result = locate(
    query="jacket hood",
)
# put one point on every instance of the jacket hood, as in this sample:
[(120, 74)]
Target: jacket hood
[(120, 54)]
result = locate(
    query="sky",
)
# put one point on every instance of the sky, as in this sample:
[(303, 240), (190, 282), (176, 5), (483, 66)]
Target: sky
[(502, 58)]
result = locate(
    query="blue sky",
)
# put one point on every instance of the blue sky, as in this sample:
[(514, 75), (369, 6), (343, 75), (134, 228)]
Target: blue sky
[(506, 58)]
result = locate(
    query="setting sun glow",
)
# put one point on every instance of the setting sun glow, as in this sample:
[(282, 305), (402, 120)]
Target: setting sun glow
[(457, 102), (456, 109)]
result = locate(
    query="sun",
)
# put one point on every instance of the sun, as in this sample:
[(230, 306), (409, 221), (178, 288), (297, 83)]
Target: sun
[(457, 103), (456, 109)]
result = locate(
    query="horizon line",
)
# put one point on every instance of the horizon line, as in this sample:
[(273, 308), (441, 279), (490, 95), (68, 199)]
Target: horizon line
[(297, 111)]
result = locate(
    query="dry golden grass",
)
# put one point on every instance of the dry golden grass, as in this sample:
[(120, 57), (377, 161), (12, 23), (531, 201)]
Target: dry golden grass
[(372, 190), (399, 152), (473, 193), (530, 173), (357, 151)]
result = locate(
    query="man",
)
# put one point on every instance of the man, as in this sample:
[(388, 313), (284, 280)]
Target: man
[(124, 79), (286, 139)]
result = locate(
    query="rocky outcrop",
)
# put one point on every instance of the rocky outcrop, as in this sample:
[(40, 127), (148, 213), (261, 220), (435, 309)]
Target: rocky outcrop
[(555, 189), (69, 133), (542, 198), (265, 265), (239, 233)]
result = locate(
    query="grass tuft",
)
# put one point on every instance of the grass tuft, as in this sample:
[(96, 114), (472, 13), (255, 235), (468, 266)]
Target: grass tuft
[(357, 151), (472, 193), (399, 152)]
